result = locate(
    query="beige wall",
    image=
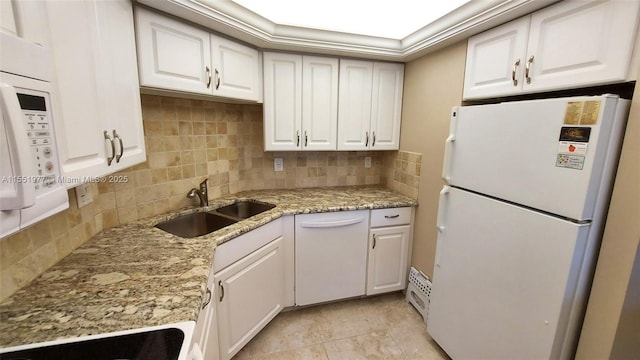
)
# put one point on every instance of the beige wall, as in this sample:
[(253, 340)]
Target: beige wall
[(433, 84), (617, 253)]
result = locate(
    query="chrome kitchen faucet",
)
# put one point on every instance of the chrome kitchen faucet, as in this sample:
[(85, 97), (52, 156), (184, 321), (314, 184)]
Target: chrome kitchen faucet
[(202, 193)]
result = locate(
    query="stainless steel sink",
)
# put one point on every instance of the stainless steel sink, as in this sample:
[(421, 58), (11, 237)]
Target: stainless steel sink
[(195, 224), (245, 209)]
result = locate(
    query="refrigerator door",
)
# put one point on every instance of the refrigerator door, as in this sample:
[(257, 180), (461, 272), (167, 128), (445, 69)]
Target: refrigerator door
[(555, 155), (508, 282)]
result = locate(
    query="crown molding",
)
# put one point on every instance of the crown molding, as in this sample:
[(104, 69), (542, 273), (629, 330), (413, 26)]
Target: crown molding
[(230, 19)]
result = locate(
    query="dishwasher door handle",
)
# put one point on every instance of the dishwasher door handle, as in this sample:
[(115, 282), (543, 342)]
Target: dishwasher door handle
[(331, 224)]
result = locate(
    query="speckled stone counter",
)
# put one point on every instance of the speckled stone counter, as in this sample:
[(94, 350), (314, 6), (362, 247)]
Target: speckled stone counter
[(135, 275)]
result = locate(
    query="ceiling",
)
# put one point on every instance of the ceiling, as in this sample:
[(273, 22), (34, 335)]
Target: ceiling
[(270, 29), (388, 19)]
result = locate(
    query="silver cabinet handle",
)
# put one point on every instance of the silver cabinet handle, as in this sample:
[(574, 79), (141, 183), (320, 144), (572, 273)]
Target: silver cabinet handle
[(208, 297), (298, 141), (513, 72), (217, 79), (221, 290), (527, 69), (306, 139), (113, 148), (366, 143), (392, 216), (116, 136), (374, 241), (373, 143), (208, 76)]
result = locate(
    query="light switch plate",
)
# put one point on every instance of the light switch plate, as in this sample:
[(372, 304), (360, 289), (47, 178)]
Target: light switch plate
[(367, 162), (278, 164), (83, 195)]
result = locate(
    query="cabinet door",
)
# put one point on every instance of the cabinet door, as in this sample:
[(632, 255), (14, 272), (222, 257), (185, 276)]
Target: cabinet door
[(496, 60), (205, 333), (580, 43), (282, 101), (172, 55), (77, 116), (119, 89), (320, 103), (235, 70), (386, 110), (251, 293), (354, 106), (387, 268)]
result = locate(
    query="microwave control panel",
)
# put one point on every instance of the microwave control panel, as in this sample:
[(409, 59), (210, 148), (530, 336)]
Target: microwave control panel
[(39, 126)]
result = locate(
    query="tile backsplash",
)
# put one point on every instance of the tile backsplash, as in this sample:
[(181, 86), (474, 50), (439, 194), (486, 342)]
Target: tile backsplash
[(187, 141)]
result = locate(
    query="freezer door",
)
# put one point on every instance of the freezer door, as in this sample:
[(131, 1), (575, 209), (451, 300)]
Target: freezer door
[(556, 155), (509, 283)]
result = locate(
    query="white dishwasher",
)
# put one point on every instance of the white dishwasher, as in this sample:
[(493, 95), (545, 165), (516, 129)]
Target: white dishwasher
[(331, 255)]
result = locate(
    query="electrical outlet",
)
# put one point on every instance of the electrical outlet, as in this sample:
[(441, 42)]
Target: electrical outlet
[(278, 164), (83, 195), (367, 162)]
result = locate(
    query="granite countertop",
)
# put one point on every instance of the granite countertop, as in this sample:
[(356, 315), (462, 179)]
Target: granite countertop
[(135, 275)]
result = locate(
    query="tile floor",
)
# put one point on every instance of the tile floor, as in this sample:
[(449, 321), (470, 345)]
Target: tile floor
[(380, 327)]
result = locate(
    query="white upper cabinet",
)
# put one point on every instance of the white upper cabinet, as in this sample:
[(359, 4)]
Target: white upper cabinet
[(172, 54), (282, 101), (319, 103), (567, 45), (370, 105), (236, 70), (578, 43), (386, 105), (177, 56), (354, 110), (98, 101), (300, 102), (495, 60)]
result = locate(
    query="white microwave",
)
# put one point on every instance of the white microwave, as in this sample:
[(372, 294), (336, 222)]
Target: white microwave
[(31, 183)]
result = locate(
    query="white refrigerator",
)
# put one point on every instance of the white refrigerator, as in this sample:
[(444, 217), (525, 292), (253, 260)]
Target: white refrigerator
[(520, 220)]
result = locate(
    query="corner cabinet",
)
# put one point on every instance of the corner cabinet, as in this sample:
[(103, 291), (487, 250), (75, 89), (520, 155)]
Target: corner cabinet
[(370, 105), (177, 56), (250, 285), (300, 102), (98, 113), (389, 250), (567, 45)]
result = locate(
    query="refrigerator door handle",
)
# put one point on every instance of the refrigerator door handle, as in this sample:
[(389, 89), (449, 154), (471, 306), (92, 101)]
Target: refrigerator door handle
[(440, 222), (448, 146), (442, 209)]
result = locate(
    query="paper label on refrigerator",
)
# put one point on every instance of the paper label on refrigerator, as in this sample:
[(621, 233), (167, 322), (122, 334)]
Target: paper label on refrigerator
[(569, 147), (590, 112), (582, 112), (573, 113), (575, 134), (570, 161)]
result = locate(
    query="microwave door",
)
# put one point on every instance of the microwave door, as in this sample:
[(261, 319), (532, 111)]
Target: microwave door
[(16, 191)]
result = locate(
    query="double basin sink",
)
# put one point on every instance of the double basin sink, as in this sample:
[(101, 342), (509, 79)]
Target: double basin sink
[(202, 223)]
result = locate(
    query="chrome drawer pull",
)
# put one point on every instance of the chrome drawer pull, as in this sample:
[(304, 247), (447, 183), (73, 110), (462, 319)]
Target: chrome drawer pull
[(208, 297)]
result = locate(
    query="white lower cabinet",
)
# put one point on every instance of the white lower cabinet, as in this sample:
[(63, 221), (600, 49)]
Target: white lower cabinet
[(388, 261), (205, 334), (389, 250), (250, 285)]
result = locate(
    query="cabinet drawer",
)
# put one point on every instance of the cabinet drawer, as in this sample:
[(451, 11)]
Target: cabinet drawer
[(390, 217), (234, 250)]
